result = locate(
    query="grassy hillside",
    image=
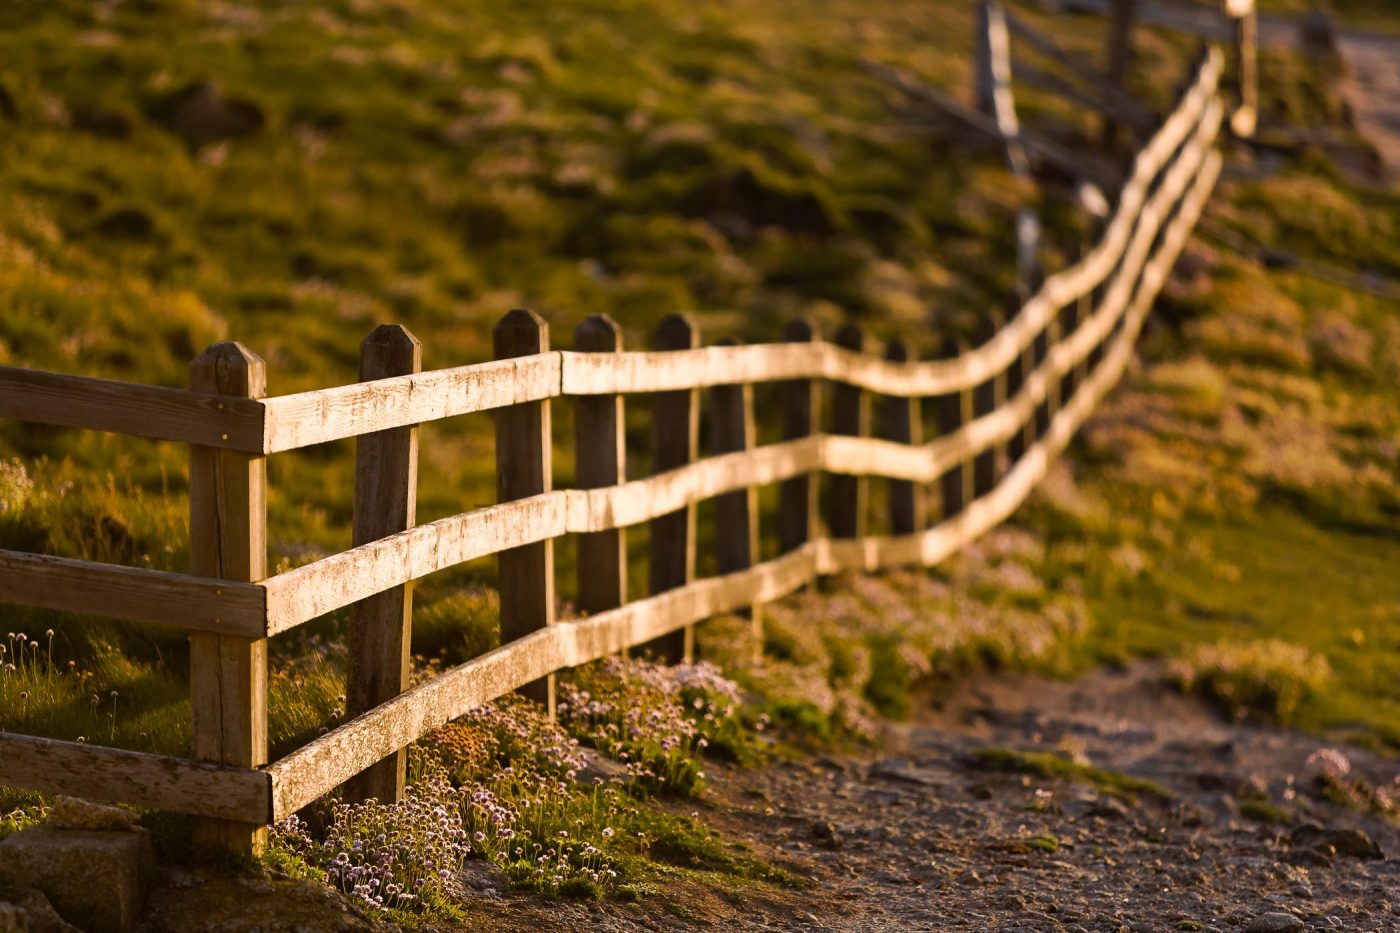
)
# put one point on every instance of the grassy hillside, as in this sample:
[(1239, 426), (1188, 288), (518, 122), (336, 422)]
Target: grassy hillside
[(437, 162)]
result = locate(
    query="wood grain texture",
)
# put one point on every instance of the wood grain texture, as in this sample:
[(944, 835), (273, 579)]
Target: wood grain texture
[(675, 440), (848, 505), (902, 423), (228, 540), (238, 795), (524, 468), (600, 462), (307, 418), (386, 500), (798, 514), (204, 418), (732, 430), (134, 593)]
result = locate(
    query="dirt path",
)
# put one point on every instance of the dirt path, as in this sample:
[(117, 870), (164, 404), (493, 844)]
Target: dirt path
[(925, 838)]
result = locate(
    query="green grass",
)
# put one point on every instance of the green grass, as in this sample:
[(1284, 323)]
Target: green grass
[(1050, 765)]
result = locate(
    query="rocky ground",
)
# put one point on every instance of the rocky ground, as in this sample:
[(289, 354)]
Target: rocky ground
[(925, 836)]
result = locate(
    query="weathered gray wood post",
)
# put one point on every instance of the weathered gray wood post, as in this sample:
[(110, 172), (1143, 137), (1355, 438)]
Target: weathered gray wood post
[(988, 466), (675, 437), (524, 460), (1120, 52), (903, 423), (600, 458), (736, 513), (850, 415), (228, 540), (386, 494), (954, 409), (797, 510)]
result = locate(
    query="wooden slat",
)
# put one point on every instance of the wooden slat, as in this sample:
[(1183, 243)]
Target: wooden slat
[(1202, 22), (120, 776), (386, 503), (1133, 109), (129, 408), (600, 458), (689, 368), (797, 497), (228, 539), (307, 418), (675, 441), (307, 773), (524, 469), (134, 593), (848, 505)]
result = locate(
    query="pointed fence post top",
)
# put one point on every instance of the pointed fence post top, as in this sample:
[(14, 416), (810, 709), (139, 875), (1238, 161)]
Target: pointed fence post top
[(851, 336), (390, 350), (676, 332), (598, 333), (800, 330), (229, 368), (521, 332)]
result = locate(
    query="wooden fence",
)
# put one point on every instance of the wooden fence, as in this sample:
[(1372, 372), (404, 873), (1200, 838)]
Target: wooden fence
[(1005, 409)]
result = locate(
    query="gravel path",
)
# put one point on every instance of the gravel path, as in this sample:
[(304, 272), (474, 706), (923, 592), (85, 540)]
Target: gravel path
[(923, 838)]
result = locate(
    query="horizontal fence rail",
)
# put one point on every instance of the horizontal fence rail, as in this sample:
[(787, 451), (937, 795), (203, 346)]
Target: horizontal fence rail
[(998, 436)]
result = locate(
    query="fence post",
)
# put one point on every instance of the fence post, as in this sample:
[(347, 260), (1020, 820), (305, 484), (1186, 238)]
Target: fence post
[(990, 464), (523, 466), (228, 540), (386, 497), (1068, 324), (903, 423), (1120, 51), (736, 513), (850, 415), (1016, 374), (797, 510), (675, 435), (1045, 341), (600, 457), (1246, 53), (953, 410)]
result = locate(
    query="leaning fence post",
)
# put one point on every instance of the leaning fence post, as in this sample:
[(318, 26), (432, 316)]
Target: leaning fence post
[(523, 465), (736, 513), (228, 540), (797, 510), (1120, 50), (850, 416), (954, 409), (675, 435), (600, 457), (903, 423), (386, 494), (989, 465), (1246, 53)]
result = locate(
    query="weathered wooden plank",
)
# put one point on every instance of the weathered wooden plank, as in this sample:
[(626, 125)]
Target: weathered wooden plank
[(1200, 21), (995, 84), (736, 513), (524, 468), (1113, 103), (336, 581), (902, 423), (204, 418), (850, 416), (135, 593), (688, 368), (323, 415), (228, 539), (386, 502), (675, 440), (600, 458), (323, 763), (240, 795), (798, 514)]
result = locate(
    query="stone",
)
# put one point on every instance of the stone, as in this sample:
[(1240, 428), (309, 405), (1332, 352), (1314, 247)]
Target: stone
[(1277, 922), (1329, 842), (96, 880), (825, 832), (28, 911), (201, 114), (216, 904), (599, 768), (76, 813)]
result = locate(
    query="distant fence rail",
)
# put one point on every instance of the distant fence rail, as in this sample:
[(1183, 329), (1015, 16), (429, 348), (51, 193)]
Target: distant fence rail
[(1005, 409)]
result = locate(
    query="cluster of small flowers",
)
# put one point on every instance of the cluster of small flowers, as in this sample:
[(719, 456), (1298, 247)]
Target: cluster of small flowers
[(388, 855)]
